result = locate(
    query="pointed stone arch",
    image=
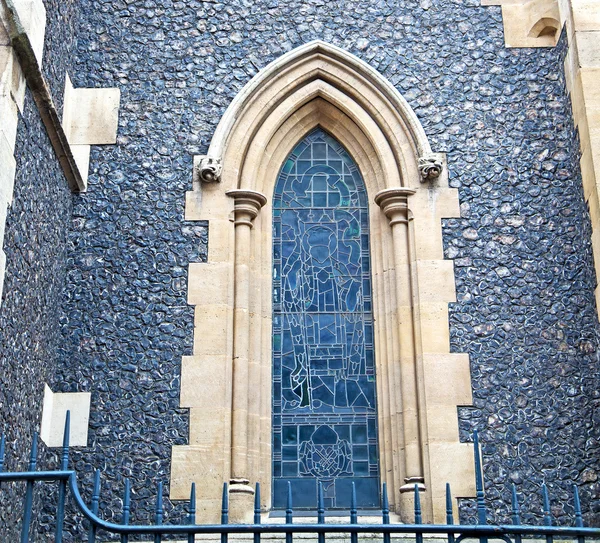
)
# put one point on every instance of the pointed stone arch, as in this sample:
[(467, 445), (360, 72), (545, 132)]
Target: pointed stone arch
[(227, 382)]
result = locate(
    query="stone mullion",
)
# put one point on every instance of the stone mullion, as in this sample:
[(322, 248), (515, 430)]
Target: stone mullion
[(394, 204)]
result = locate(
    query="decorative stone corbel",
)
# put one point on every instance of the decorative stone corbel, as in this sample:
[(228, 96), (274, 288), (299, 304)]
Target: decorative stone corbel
[(430, 166), (90, 117), (207, 169)]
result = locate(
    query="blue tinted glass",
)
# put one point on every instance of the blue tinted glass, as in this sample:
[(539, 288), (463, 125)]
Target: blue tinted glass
[(324, 405)]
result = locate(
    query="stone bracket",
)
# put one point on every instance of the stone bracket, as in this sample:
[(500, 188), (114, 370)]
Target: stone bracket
[(54, 411), (90, 117)]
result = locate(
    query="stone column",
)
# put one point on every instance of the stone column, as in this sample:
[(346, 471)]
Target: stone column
[(394, 204), (247, 206)]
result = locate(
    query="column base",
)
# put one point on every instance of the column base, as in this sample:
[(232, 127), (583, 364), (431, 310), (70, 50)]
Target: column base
[(410, 482), (406, 503), (241, 502)]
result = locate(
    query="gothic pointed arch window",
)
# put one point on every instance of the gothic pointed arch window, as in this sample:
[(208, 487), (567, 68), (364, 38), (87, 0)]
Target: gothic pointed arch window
[(324, 395), (376, 195)]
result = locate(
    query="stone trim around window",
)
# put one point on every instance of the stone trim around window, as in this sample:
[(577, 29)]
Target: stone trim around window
[(226, 383)]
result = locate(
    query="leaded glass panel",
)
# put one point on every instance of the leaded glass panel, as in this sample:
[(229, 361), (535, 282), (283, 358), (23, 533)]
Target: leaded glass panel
[(324, 405)]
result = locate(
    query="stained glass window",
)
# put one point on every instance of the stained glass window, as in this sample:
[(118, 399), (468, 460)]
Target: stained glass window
[(324, 405)]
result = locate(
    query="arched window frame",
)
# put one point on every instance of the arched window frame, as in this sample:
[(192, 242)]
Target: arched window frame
[(227, 382)]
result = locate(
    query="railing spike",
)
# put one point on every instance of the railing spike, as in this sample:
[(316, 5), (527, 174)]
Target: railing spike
[(62, 487), (192, 512), (96, 492), (66, 437), (289, 513), (418, 515), (225, 505), (257, 511), (516, 517), (449, 512), (33, 455), (159, 505), (481, 510), (353, 510), (320, 511), (417, 500), (547, 513), (257, 503), (192, 508), (353, 513), (578, 515), (158, 520), (126, 501), (126, 508), (2, 450), (224, 511), (385, 512), (577, 503), (28, 504), (320, 504), (94, 506)]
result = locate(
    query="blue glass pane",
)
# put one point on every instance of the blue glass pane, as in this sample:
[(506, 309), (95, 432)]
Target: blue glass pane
[(324, 405)]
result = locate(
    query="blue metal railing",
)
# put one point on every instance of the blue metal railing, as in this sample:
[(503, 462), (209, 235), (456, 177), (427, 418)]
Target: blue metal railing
[(454, 533)]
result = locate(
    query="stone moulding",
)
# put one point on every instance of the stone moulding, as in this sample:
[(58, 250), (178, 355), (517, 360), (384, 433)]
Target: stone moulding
[(226, 383)]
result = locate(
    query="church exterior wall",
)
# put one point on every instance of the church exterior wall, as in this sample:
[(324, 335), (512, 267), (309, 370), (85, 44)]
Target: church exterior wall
[(35, 243), (109, 307), (533, 374)]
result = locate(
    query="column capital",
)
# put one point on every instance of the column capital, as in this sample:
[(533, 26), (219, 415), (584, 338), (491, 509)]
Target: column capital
[(394, 203), (247, 205)]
